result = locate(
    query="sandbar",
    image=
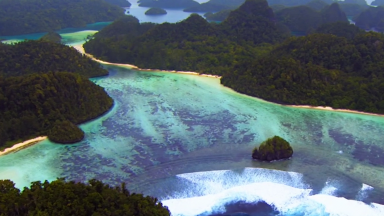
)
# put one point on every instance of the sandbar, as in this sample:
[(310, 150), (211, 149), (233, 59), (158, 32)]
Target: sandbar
[(22, 145)]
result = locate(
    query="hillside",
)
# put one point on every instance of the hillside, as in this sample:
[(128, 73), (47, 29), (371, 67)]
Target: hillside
[(372, 18), (319, 70), (304, 19), (30, 16), (42, 56), (31, 105), (192, 44)]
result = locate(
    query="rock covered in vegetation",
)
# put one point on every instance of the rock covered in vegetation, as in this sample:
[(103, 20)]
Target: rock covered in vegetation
[(275, 148), (155, 11), (52, 37), (372, 18), (304, 18), (65, 132), (70, 198), (30, 105), (41, 56)]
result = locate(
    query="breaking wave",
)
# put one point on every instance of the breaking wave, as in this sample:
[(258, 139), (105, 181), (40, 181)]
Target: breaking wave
[(256, 191)]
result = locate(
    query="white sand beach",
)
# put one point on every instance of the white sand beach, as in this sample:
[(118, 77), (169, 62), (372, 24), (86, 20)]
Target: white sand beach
[(327, 108), (80, 48), (22, 145)]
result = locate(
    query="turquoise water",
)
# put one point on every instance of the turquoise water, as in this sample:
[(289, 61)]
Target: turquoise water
[(187, 139), (67, 34)]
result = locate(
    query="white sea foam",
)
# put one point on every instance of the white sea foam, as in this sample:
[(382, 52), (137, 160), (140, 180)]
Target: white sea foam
[(329, 188), (285, 191), (363, 192)]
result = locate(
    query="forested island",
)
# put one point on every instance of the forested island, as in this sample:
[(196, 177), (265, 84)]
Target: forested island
[(42, 56), (336, 65), (44, 90), (36, 104), (71, 198), (155, 11), (275, 148), (30, 16)]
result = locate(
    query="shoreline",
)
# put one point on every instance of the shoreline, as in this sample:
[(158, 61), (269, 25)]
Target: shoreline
[(80, 48), (328, 108), (22, 145)]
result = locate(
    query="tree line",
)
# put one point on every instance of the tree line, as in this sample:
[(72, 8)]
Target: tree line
[(63, 198)]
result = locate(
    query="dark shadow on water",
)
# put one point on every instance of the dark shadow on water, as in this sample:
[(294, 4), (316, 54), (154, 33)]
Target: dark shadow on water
[(247, 209)]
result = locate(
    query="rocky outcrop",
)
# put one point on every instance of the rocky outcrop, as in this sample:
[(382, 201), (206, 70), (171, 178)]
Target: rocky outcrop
[(275, 148)]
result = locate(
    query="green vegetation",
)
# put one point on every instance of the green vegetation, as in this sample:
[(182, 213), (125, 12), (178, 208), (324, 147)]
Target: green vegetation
[(31, 105), (372, 18), (218, 16), (65, 132), (317, 4), (168, 3), (305, 19), (353, 9), (155, 11), (275, 148), (300, 18), (41, 56), (193, 44), (341, 68), (341, 29), (52, 37), (319, 70), (121, 3), (70, 198), (29, 16)]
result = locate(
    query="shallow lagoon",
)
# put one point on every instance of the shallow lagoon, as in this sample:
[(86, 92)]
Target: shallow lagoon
[(165, 126), (188, 140)]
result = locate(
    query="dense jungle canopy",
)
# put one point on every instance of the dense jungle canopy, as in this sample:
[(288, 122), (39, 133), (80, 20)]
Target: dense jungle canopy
[(42, 56), (70, 198), (31, 105)]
